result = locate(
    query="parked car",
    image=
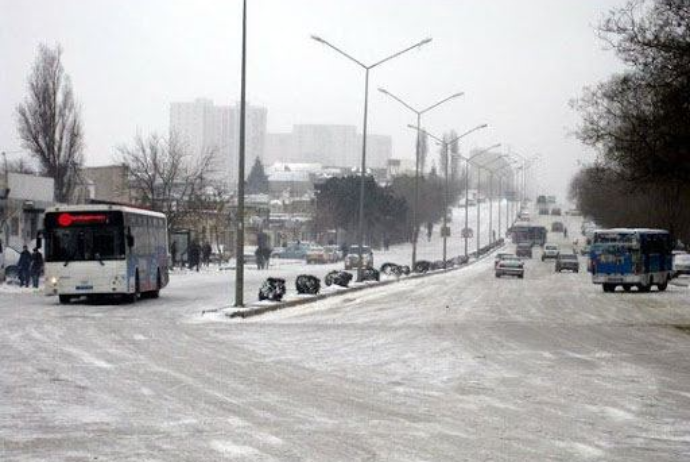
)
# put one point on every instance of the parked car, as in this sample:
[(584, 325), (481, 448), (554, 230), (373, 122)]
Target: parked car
[(510, 266), (681, 264), (352, 257), (556, 211), (10, 260), (567, 262), (550, 251), (543, 210), (524, 249), (557, 227), (294, 250), (333, 252), (502, 256), (316, 254)]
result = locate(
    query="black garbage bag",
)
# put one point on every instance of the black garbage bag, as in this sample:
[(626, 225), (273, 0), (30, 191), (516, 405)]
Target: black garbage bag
[(437, 265), (339, 278), (463, 260), (422, 266), (308, 284), (272, 289), (371, 274), (391, 269)]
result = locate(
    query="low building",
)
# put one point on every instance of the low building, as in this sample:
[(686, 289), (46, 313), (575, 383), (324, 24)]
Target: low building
[(22, 207), (106, 183)]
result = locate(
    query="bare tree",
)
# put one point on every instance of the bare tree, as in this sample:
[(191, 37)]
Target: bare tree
[(164, 176), (49, 122)]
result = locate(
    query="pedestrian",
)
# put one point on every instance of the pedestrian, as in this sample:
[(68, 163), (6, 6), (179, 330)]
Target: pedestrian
[(24, 267), (194, 255), (565, 232), (173, 253), (36, 267), (206, 252), (259, 254)]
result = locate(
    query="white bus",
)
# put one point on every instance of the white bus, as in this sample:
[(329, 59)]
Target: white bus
[(98, 250)]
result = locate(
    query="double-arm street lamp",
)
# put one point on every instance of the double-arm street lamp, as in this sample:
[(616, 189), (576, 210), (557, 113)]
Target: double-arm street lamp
[(473, 160), (417, 167), (367, 68), (445, 144)]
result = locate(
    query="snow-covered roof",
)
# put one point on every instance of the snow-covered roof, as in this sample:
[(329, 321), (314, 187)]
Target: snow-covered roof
[(289, 176)]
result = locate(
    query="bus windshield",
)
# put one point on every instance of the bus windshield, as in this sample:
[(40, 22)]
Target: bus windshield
[(85, 243)]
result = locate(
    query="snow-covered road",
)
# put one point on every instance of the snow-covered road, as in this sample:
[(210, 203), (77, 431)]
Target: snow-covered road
[(459, 366)]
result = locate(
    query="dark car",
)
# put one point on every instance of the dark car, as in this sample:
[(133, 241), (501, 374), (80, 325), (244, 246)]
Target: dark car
[(524, 249), (556, 211), (557, 227), (567, 262)]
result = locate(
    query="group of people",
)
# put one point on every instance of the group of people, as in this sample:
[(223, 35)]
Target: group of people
[(30, 266), (197, 255)]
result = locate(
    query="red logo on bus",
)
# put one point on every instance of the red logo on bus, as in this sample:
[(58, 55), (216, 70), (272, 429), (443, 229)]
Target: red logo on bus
[(67, 219)]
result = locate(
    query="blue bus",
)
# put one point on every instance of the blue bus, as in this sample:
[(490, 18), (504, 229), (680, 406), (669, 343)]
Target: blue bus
[(99, 250), (630, 258)]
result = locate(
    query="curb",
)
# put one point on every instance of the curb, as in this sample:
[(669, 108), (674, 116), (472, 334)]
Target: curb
[(262, 309)]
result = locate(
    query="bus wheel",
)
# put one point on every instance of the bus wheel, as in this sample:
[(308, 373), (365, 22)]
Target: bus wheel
[(662, 287), (156, 293), (65, 299), (609, 288), (644, 287)]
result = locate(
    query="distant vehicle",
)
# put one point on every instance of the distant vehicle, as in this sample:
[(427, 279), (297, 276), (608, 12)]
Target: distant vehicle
[(524, 249), (556, 211), (567, 262), (525, 215), (352, 257), (96, 250), (502, 256), (10, 260), (681, 264), (293, 251), (510, 266), (631, 257), (316, 254), (551, 199), (532, 234), (557, 227), (543, 210), (550, 251), (541, 199), (333, 252)]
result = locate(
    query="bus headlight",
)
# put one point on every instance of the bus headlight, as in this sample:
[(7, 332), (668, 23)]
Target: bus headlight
[(53, 281)]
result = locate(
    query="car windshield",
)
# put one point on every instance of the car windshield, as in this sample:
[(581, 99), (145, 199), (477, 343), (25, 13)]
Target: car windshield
[(551, 247)]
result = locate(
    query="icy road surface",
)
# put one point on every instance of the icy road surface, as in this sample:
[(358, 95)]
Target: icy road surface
[(461, 366)]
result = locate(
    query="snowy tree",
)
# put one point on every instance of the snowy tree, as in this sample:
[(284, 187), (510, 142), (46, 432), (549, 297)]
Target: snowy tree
[(257, 182)]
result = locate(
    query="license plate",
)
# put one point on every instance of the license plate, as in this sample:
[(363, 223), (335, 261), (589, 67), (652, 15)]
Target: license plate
[(84, 287)]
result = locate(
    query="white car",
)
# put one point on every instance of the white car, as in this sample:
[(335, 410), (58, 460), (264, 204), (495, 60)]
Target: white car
[(550, 251), (681, 264)]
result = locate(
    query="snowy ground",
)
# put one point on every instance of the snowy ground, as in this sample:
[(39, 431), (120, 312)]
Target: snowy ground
[(460, 366)]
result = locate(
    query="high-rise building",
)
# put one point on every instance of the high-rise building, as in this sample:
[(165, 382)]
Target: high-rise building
[(330, 145), (201, 126)]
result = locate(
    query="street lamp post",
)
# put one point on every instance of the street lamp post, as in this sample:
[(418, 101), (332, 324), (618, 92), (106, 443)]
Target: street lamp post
[(367, 68), (417, 167), (491, 190), (468, 162), (239, 247), (445, 145)]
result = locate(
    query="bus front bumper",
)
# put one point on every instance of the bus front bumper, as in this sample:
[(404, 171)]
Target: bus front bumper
[(616, 279)]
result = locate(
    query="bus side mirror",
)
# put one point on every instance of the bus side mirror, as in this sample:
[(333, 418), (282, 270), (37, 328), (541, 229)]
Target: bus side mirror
[(39, 239), (130, 239)]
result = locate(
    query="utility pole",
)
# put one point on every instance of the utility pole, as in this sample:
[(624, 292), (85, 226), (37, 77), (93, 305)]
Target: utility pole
[(239, 248)]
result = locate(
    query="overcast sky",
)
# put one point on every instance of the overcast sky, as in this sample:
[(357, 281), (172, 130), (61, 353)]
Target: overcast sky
[(518, 62)]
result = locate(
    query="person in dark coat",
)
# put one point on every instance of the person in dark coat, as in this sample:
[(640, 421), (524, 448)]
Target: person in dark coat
[(194, 255), (36, 267), (173, 253), (24, 267), (206, 252)]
